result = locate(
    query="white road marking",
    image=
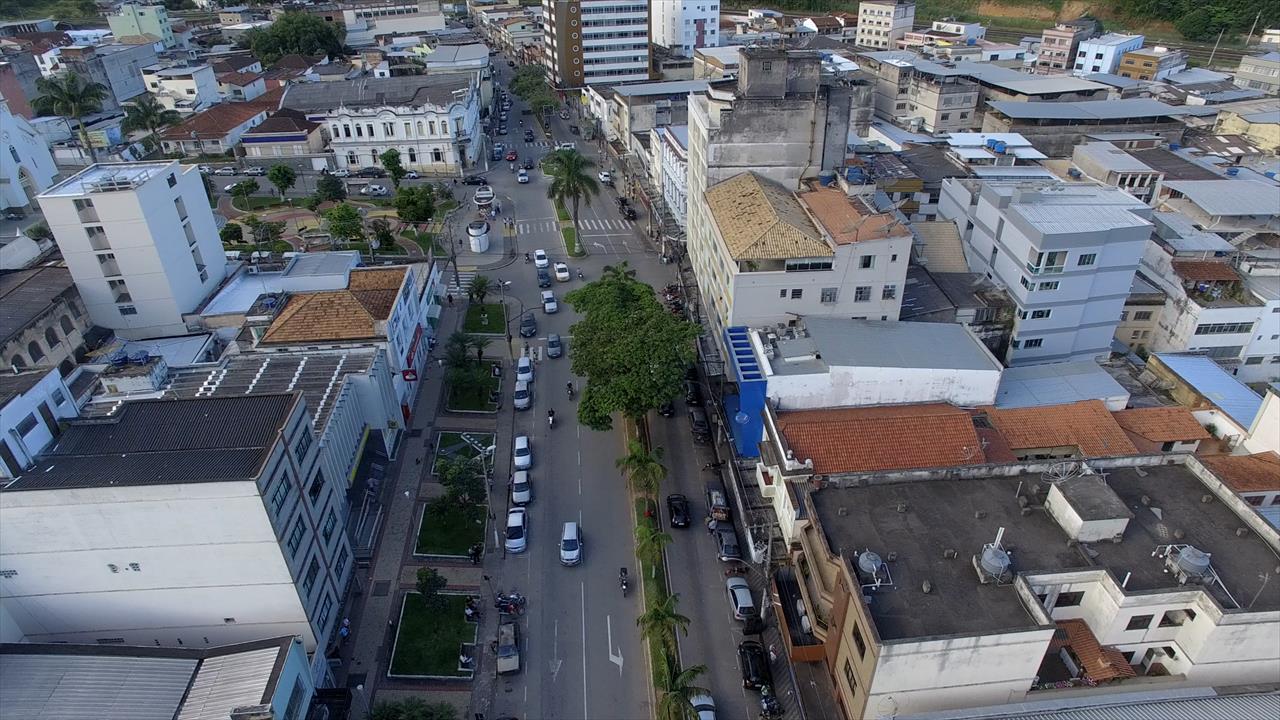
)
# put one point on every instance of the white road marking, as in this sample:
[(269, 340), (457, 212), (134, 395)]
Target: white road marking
[(556, 662), (583, 587), (615, 659)]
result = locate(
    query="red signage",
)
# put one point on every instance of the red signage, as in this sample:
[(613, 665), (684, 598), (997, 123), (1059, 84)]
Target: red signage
[(413, 347), (409, 375)]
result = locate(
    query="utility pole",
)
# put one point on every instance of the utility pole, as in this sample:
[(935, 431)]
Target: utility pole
[(1215, 47), (1248, 40)]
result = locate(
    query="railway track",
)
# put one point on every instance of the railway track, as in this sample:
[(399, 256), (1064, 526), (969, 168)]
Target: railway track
[(1224, 58)]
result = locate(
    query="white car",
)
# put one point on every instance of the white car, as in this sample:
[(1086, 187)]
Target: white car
[(540, 259), (225, 171), (517, 530), (549, 304), (255, 171), (377, 190), (562, 272), (523, 457), (522, 397), (605, 177), (524, 369), (484, 195), (230, 188), (205, 169), (521, 488), (570, 544), (341, 172), (411, 175), (704, 706), (740, 598), (522, 177)]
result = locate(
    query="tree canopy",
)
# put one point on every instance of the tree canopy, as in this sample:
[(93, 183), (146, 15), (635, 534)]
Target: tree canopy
[(283, 177), (415, 204), (413, 708), (632, 351), (329, 187), (344, 223), (296, 32), (391, 161)]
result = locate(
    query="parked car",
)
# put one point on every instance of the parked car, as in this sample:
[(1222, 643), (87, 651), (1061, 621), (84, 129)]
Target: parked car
[(566, 146), (370, 172), (703, 706), (528, 326), (517, 530), (570, 544), (692, 393), (341, 173), (484, 195), (698, 425), (473, 180), (522, 177), (502, 129), (667, 409), (522, 398), (540, 258), (255, 171), (604, 177), (727, 544), (224, 171), (205, 169), (744, 606), (562, 272), (521, 488), (528, 136), (555, 348), (754, 665), (544, 278), (523, 457), (718, 502), (549, 304), (509, 649), (230, 188), (374, 190), (678, 510), (524, 369), (411, 175)]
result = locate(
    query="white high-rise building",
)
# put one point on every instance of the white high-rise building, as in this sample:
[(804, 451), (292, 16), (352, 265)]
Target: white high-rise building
[(683, 26), (882, 23), (589, 42), (140, 241)]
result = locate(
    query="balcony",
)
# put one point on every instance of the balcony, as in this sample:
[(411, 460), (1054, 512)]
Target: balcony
[(123, 297), (87, 214), (110, 268), (1045, 269), (802, 645)]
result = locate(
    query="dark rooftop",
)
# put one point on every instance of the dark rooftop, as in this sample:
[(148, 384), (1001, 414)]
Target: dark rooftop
[(26, 294), (930, 164), (12, 385), (944, 514), (1174, 166), (162, 442)]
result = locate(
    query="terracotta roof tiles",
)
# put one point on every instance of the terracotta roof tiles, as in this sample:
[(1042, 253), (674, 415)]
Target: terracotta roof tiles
[(1205, 271), (891, 437), (339, 315), (1259, 472), (1161, 424), (215, 122), (1101, 663), (761, 220), (848, 220), (1086, 425)]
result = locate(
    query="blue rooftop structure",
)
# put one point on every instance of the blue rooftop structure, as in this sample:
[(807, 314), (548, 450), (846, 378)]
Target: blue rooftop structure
[(1217, 386), (745, 410)]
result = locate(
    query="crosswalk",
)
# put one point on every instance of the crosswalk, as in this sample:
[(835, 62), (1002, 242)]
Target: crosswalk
[(587, 225), (458, 288)]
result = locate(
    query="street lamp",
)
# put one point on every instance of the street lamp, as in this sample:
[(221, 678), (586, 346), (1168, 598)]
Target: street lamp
[(364, 700)]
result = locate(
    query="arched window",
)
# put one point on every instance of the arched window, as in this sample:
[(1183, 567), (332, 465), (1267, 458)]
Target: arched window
[(437, 156), (68, 327), (413, 155), (51, 337), (33, 349), (18, 362)]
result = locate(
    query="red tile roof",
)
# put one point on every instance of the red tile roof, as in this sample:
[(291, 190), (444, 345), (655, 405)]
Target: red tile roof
[(213, 123), (1205, 271), (1161, 424), (238, 78), (890, 437), (1100, 663), (1259, 472), (1086, 425)]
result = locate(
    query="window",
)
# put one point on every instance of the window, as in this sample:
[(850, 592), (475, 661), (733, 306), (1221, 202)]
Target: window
[(766, 66), (296, 697), (889, 292), (1135, 335), (340, 564), (849, 677), (330, 522), (127, 310), (309, 580), (1033, 343), (359, 131), (302, 445), (172, 180), (413, 155), (1256, 360), (1142, 315), (296, 535), (1040, 314), (1069, 599), (859, 642), (58, 397), (862, 293), (866, 262), (317, 485), (1050, 285), (27, 424), (1139, 622), (33, 349), (829, 294), (893, 257), (797, 294), (1025, 283), (1176, 618), (1224, 328), (437, 156), (808, 264), (51, 337), (1087, 259), (782, 294), (281, 494)]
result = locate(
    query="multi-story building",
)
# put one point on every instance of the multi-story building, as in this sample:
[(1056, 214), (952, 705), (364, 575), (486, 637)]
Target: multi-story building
[(638, 108), (185, 89), (287, 134), (777, 255), (882, 23), (683, 26), (214, 131), (1112, 166), (1059, 44), (1103, 54), (432, 120), (133, 19), (140, 241), (45, 322), (1065, 253), (29, 167), (669, 170), (1055, 128), (1140, 319), (1155, 63), (364, 20), (269, 556), (116, 67), (32, 406), (587, 42), (1260, 72), (920, 94), (943, 32)]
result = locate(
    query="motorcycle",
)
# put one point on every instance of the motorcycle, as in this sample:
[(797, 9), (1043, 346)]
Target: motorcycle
[(624, 581), (551, 419), (580, 275), (513, 597), (769, 706), (527, 259), (570, 388)]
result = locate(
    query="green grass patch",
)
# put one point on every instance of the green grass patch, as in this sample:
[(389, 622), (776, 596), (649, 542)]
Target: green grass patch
[(486, 318), (465, 445), (571, 242), (256, 202), (449, 529), (428, 639), (561, 213), (425, 240), (654, 581), (477, 398)]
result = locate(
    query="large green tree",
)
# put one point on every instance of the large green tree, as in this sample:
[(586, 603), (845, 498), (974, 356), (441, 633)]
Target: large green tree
[(243, 190), (462, 478), (262, 232), (73, 97), (430, 584), (146, 113), (415, 204), (295, 32), (395, 169), (413, 708), (344, 223), (330, 188), (661, 622), (632, 351), (283, 177), (571, 181)]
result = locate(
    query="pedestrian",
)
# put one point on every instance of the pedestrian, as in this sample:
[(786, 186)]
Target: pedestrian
[(712, 525), (449, 297), (343, 632)]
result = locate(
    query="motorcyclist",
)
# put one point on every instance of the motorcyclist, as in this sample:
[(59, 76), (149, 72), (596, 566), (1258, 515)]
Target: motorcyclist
[(527, 258), (569, 386), (551, 418), (623, 580)]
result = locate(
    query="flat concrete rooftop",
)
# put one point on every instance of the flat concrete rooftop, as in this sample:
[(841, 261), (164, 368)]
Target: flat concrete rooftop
[(944, 514)]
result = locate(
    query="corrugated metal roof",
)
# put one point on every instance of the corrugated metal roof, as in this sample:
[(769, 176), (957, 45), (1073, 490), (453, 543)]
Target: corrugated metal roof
[(227, 682), (941, 246), (92, 687), (1219, 707), (1230, 197), (1216, 385), (1085, 110)]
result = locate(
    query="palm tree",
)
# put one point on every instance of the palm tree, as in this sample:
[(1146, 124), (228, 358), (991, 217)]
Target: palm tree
[(478, 343), (146, 113), (650, 540), (661, 621), (571, 181), (676, 702), (478, 288), (73, 97), (457, 350), (644, 467)]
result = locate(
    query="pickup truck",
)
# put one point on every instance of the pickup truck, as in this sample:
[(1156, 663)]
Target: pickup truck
[(508, 648), (717, 502)]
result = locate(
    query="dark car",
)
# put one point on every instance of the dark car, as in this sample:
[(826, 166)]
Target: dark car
[(698, 425), (678, 509), (370, 172), (502, 129), (473, 180), (544, 278), (527, 164), (629, 213), (528, 136), (528, 326), (727, 544), (692, 393), (667, 409), (754, 665), (495, 155)]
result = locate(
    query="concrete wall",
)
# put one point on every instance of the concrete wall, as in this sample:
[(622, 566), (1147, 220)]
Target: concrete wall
[(1264, 435), (846, 386), (49, 395)]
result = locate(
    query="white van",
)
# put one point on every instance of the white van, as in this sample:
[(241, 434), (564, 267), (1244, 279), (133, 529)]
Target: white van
[(571, 544)]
